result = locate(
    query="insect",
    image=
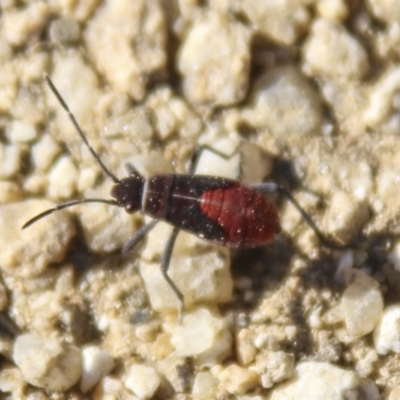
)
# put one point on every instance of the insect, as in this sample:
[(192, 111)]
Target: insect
[(219, 210)]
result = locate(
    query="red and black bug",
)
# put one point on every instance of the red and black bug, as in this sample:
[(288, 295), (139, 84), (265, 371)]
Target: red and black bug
[(220, 210)]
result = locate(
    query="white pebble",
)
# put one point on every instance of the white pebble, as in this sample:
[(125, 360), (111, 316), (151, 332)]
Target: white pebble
[(112, 388), (10, 192), (335, 10), (28, 252), (218, 72), (128, 22), (285, 104), (394, 256), (17, 26), (199, 270), (315, 381), (213, 339), (332, 50), (387, 331), (237, 380), (47, 363), (381, 98), (274, 367), (361, 304), (204, 386), (345, 216), (282, 21), (10, 160), (245, 348), (63, 179), (11, 380), (21, 132), (44, 151), (142, 380), (385, 10), (96, 363)]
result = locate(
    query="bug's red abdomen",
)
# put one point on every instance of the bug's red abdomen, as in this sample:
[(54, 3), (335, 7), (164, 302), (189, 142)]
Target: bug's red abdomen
[(246, 216)]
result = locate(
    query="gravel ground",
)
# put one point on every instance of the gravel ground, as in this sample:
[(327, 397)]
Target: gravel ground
[(305, 93)]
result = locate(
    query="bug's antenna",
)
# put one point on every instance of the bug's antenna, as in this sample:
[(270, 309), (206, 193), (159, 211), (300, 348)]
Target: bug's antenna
[(78, 128), (66, 205)]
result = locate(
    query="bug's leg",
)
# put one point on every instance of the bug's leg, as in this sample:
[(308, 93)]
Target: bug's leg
[(165, 261), (197, 153), (138, 236), (272, 187)]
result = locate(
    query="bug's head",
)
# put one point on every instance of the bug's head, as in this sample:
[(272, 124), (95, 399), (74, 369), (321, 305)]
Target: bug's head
[(128, 192)]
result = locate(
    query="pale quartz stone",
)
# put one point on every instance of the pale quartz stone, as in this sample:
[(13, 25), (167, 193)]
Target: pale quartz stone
[(387, 331), (345, 216), (335, 10), (142, 380), (133, 45), (63, 178), (28, 252), (317, 380), (10, 192), (385, 10), (21, 132), (331, 50), (238, 380), (284, 103), (213, 338), (394, 256), (96, 363), (215, 60), (362, 304), (47, 363), (282, 21), (204, 386), (44, 151)]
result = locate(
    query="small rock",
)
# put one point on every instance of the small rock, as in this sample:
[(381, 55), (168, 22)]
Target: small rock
[(10, 192), (382, 97), (96, 363), (44, 151), (19, 25), (345, 216), (284, 103), (331, 50), (201, 271), (63, 178), (315, 381), (64, 31), (215, 60), (111, 388), (139, 30), (274, 367), (245, 348), (238, 380), (335, 10), (394, 256), (177, 371), (12, 381), (106, 229), (394, 394), (47, 363), (10, 160), (387, 332), (142, 380), (362, 304), (204, 386), (28, 252), (386, 10), (213, 339), (21, 132), (280, 21)]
